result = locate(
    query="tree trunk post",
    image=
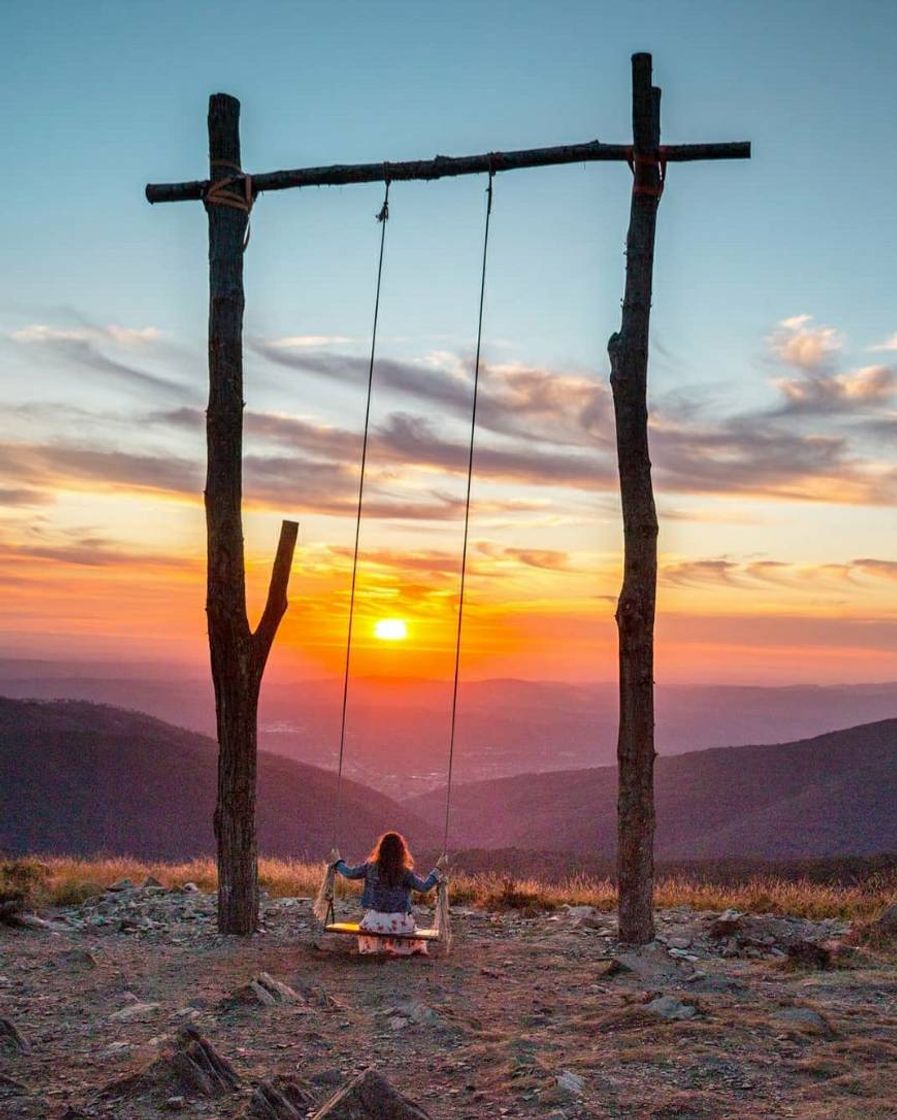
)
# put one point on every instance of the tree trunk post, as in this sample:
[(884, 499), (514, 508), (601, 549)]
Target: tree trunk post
[(628, 352), (237, 655)]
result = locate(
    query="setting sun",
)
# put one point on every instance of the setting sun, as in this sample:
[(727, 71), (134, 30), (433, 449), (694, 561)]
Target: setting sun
[(390, 630)]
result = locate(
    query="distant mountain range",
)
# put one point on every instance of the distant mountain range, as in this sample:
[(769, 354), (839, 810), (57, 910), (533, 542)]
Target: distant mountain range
[(399, 730), (831, 795), (79, 778)]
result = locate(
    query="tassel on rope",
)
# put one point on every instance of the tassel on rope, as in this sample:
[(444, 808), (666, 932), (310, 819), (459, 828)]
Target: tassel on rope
[(323, 903), (442, 922)]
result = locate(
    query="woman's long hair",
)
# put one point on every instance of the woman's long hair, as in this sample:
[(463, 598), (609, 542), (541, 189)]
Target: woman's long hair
[(392, 857)]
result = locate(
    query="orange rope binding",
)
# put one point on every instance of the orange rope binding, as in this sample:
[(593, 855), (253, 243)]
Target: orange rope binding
[(658, 160), (220, 192)]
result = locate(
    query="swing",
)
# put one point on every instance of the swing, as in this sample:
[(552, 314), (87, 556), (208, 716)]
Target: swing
[(323, 906)]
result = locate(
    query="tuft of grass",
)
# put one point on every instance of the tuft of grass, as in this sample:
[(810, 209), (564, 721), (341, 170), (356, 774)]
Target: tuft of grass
[(61, 880)]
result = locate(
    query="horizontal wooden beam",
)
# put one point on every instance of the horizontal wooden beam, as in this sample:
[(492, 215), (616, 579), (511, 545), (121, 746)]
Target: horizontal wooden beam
[(444, 166)]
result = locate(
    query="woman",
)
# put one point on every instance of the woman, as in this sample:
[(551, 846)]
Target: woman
[(389, 879)]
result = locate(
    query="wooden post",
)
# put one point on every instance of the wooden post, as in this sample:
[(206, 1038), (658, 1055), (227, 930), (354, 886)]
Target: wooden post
[(628, 351), (238, 656)]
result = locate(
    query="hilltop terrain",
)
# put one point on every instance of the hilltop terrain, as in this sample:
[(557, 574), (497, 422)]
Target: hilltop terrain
[(724, 1017)]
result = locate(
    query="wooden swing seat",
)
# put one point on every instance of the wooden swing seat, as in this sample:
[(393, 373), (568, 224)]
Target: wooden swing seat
[(353, 929)]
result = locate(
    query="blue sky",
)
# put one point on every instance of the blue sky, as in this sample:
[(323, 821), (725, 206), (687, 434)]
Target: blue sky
[(98, 98)]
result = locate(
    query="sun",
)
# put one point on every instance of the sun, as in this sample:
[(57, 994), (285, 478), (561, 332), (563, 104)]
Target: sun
[(390, 630)]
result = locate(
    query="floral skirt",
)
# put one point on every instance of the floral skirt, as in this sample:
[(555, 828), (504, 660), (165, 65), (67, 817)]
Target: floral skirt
[(389, 923)]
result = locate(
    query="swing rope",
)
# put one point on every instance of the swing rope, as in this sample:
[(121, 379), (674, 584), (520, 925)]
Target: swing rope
[(473, 430), (382, 218), (323, 906)]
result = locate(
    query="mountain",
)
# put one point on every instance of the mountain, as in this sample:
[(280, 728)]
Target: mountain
[(831, 795), (78, 778), (398, 731)]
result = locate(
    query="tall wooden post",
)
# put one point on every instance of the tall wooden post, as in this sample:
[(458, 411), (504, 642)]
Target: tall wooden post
[(238, 656), (628, 351)]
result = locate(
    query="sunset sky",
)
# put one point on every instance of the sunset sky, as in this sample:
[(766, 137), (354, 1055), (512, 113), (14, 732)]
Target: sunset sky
[(773, 376)]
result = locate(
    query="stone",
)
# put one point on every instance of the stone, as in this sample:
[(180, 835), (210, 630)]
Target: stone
[(668, 1007), (809, 954), (134, 1012), (175, 1104), (571, 1083), (265, 991), (679, 942), (151, 881), (649, 962), (726, 925), (804, 1019), (77, 958), (190, 888), (11, 1039), (369, 1096), (121, 885), (418, 1012)]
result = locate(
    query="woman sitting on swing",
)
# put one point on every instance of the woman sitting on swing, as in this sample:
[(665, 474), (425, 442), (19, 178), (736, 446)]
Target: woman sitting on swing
[(389, 879)]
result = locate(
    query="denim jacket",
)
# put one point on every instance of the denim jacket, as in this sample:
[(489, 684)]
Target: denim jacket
[(384, 899)]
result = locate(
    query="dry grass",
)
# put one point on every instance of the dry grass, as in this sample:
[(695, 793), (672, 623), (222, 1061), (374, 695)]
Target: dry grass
[(62, 881)]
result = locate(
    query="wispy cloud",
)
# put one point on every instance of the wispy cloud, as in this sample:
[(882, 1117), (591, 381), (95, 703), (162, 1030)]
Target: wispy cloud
[(887, 344), (85, 347), (799, 343)]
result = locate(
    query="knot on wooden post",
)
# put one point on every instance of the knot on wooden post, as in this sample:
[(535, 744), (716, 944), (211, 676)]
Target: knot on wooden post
[(234, 191), (656, 160)]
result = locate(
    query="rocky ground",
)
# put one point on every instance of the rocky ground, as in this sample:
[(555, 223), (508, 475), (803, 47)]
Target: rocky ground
[(132, 1006)]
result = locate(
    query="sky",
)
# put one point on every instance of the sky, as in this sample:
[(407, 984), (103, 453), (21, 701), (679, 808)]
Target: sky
[(773, 371)]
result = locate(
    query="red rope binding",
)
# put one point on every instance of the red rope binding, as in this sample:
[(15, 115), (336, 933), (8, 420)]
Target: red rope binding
[(658, 160)]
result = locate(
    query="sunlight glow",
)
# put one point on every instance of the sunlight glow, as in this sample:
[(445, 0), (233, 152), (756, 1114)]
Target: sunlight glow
[(390, 630)]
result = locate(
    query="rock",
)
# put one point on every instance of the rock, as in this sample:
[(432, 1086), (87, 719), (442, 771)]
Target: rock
[(649, 962), (190, 888), (418, 1013), (189, 1067), (134, 1012), (121, 885), (809, 954), (265, 991), (587, 917), (609, 967), (369, 1097), (151, 881), (175, 1104), (11, 1039), (679, 942), (668, 1007), (279, 1098), (77, 958), (803, 1019), (728, 923), (571, 1083)]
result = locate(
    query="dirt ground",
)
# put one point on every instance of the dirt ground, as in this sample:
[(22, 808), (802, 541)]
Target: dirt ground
[(528, 1016)]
